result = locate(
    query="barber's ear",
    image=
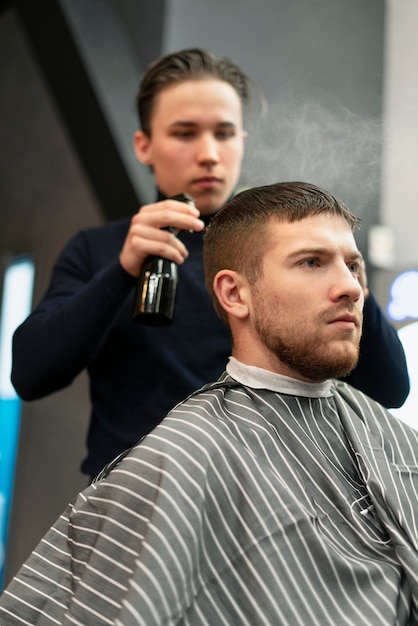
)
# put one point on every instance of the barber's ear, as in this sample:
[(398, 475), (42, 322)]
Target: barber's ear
[(233, 293), (142, 147)]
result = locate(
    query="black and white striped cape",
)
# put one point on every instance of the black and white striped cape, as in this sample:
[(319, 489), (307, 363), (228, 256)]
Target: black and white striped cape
[(246, 506)]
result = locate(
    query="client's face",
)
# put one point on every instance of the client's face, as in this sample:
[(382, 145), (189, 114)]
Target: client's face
[(307, 307)]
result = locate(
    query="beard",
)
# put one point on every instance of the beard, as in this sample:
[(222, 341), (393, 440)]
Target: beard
[(302, 349)]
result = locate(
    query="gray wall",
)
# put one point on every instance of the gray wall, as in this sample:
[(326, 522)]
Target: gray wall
[(319, 64)]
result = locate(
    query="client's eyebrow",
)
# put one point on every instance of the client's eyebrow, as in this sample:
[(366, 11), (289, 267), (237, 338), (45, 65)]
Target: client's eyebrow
[(355, 255)]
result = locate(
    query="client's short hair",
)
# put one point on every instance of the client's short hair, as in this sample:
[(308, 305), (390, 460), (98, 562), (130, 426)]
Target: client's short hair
[(237, 235)]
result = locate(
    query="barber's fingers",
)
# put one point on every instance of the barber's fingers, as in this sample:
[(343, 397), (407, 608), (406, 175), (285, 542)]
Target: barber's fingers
[(149, 235), (170, 213)]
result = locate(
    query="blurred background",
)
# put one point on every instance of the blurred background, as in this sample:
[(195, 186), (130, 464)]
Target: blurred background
[(341, 82)]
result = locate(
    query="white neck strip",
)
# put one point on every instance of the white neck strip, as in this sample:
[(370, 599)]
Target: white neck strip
[(259, 378)]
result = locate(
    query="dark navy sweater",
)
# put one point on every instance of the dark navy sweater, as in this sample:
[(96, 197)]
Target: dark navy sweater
[(137, 372)]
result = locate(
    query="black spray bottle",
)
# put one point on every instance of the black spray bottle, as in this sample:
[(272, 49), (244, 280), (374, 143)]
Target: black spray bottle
[(156, 290)]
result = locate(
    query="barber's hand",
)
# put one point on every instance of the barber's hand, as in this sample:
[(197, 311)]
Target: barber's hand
[(146, 237), (362, 278)]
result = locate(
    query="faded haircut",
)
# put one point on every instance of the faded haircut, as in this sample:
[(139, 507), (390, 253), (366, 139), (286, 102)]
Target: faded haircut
[(238, 234)]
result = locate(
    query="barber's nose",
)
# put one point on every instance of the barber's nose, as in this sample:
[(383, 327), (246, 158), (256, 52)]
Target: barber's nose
[(207, 151)]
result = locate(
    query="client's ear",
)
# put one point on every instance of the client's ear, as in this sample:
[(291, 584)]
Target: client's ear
[(232, 291)]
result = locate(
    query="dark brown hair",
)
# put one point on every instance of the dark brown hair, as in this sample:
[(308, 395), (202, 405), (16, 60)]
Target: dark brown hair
[(178, 67)]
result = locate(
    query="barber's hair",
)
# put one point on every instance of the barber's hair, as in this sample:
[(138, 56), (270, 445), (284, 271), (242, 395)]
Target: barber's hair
[(178, 67), (238, 234)]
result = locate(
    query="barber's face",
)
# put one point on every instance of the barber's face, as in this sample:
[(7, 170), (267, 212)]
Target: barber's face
[(307, 307), (197, 142)]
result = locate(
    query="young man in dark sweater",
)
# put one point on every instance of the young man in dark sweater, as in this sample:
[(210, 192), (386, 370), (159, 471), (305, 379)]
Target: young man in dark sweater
[(190, 107)]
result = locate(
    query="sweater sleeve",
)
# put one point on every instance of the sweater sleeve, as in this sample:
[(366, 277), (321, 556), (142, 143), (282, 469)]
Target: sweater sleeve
[(381, 372), (70, 324)]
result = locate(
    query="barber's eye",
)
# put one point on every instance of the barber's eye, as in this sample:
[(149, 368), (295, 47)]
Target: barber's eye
[(225, 134)]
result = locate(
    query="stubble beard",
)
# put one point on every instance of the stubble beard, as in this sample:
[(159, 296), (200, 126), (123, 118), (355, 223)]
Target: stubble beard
[(305, 354)]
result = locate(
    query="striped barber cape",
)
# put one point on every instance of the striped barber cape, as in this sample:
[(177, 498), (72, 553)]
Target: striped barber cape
[(257, 501)]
